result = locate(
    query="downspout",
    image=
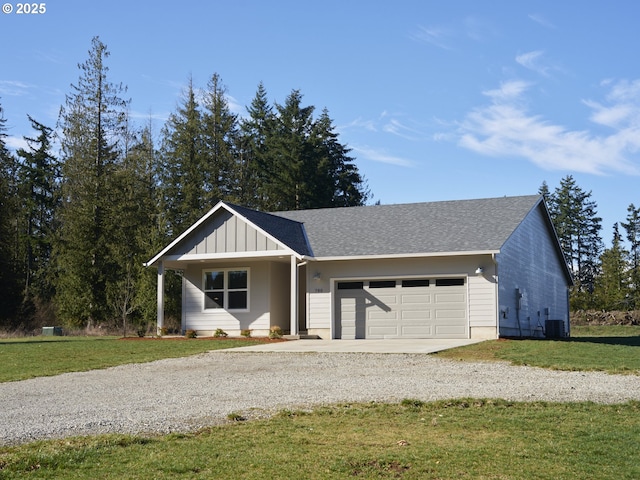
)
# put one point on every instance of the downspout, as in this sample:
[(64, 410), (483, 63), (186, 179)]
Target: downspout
[(293, 292), (160, 298), (496, 294)]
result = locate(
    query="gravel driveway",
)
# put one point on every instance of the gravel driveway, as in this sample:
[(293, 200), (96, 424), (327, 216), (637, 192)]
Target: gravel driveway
[(188, 393)]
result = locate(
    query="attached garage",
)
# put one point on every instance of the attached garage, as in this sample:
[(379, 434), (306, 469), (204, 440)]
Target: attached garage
[(401, 308)]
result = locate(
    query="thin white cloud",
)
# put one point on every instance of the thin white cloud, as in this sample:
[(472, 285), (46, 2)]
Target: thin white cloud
[(532, 61), (13, 88), (508, 91), (504, 128), (437, 36), (359, 122), (541, 20), (397, 128), (381, 156), (623, 107)]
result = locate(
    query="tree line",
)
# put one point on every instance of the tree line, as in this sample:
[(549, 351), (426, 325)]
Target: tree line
[(76, 226), (604, 278)]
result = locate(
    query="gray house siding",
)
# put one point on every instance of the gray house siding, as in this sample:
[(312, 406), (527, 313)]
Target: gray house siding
[(529, 266), (262, 303)]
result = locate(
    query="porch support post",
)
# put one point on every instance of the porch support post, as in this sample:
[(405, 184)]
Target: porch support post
[(294, 296), (160, 296)]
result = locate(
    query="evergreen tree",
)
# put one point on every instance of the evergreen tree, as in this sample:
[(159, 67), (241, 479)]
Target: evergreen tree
[(544, 191), (612, 286), (38, 175), (253, 162), (575, 218), (9, 286), (183, 165), (93, 123), (338, 182), (221, 142), (136, 239), (632, 229), (290, 156)]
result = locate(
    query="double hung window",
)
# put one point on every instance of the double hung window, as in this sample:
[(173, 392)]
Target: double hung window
[(226, 289)]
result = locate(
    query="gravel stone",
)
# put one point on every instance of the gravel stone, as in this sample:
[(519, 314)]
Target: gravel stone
[(185, 394)]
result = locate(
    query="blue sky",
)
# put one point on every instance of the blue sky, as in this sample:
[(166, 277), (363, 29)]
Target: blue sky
[(438, 100)]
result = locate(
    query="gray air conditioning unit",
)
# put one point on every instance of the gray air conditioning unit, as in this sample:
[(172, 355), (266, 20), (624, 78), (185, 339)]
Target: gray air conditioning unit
[(554, 329)]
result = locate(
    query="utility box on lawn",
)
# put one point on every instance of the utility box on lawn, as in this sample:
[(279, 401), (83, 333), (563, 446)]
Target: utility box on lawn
[(52, 331)]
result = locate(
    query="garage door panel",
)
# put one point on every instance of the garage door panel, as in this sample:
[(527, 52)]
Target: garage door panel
[(415, 314), (416, 331), (437, 309), (381, 314), (382, 332), (422, 299), (384, 299), (445, 314), (449, 298), (451, 331)]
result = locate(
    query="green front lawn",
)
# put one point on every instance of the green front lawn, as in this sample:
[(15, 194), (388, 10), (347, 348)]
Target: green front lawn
[(23, 358), (612, 349), (458, 439)]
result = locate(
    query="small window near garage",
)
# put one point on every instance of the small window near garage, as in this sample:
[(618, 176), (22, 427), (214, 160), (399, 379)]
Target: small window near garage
[(382, 284), (226, 289), (418, 282), (350, 285), (449, 282)]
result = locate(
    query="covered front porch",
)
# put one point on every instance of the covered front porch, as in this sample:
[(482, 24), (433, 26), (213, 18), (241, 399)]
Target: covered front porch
[(237, 294)]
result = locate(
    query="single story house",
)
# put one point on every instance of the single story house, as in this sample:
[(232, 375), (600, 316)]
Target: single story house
[(482, 268)]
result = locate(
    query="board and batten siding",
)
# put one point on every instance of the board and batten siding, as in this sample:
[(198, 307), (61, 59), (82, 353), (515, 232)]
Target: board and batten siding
[(225, 233), (530, 262)]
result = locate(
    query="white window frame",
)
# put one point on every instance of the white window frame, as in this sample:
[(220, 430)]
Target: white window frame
[(226, 289)]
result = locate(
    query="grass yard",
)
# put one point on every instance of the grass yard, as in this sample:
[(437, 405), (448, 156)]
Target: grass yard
[(611, 349), (461, 439), (457, 439), (23, 358)]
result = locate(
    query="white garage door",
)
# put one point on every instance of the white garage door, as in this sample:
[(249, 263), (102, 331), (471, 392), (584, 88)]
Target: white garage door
[(410, 308)]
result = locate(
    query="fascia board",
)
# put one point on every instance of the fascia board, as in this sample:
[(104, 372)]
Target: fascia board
[(407, 255)]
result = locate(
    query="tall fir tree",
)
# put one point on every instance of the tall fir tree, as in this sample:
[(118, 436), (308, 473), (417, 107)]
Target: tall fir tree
[(256, 130), (183, 165), (9, 284), (38, 191), (221, 143), (612, 285), (137, 237), (575, 218), (290, 155), (339, 183), (93, 124), (632, 230)]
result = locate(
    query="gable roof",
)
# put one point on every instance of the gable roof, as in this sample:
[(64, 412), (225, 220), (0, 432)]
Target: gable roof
[(434, 227), (430, 228), (288, 233)]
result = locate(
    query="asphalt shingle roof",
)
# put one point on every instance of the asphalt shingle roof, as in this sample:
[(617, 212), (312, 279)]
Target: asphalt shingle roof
[(432, 227), (288, 231)]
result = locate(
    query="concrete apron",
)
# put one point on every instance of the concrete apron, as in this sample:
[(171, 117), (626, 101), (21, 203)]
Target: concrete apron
[(359, 346)]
